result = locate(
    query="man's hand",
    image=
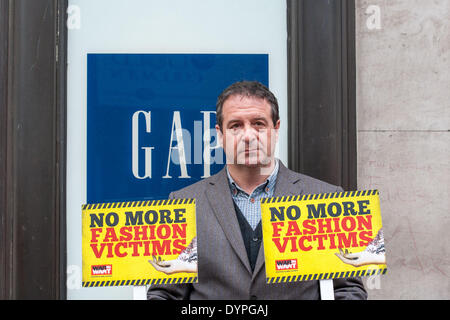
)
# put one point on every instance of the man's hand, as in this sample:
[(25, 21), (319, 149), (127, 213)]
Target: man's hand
[(360, 258), (173, 266)]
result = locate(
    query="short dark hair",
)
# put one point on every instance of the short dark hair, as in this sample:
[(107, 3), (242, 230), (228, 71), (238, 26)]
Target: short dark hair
[(248, 89)]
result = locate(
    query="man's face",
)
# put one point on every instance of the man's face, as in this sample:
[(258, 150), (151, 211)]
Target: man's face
[(248, 134)]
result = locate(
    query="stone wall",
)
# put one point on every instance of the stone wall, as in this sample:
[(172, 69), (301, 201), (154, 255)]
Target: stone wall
[(403, 120)]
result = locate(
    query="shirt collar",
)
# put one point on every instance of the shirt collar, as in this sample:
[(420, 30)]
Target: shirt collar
[(267, 186)]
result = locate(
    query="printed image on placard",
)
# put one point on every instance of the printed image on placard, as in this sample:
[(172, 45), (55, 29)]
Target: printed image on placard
[(139, 243), (323, 236)]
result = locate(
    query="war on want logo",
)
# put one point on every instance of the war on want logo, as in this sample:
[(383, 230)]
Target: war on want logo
[(282, 265), (101, 270)]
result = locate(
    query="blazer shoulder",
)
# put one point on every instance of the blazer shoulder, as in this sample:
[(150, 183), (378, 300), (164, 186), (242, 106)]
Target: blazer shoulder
[(193, 190), (314, 185)]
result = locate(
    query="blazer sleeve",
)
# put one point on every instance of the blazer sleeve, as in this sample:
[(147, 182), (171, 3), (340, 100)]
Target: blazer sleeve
[(349, 289), (169, 291)]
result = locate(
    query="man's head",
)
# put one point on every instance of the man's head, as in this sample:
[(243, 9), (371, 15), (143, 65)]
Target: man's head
[(247, 89), (248, 123)]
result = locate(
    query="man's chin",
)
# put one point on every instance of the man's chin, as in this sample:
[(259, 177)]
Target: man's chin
[(253, 162)]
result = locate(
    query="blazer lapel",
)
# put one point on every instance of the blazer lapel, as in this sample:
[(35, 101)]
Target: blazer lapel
[(283, 187), (219, 197)]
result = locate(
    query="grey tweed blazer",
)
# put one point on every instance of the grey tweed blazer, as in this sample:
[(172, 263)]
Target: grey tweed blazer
[(224, 271)]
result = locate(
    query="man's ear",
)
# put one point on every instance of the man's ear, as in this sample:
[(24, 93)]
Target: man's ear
[(277, 128), (219, 135), (277, 125)]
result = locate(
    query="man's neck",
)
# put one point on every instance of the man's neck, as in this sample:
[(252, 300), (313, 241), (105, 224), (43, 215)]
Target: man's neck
[(250, 177)]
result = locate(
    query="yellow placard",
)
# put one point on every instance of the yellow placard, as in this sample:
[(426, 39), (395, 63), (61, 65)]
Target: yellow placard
[(323, 236), (139, 243)]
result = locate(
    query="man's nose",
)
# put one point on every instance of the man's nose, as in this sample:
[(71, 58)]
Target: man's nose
[(249, 134)]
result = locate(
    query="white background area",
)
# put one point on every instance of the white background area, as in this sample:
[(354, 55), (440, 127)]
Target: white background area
[(154, 26)]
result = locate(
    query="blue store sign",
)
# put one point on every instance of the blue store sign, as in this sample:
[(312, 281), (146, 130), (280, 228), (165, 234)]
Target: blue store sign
[(151, 118)]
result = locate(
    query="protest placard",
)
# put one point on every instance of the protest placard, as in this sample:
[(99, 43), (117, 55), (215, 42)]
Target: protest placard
[(139, 243), (323, 236)]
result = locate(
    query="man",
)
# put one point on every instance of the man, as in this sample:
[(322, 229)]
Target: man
[(229, 235)]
